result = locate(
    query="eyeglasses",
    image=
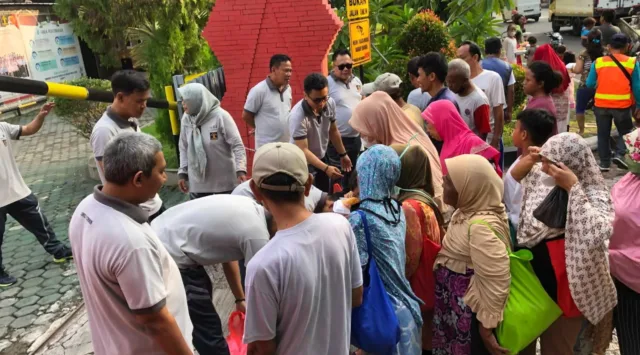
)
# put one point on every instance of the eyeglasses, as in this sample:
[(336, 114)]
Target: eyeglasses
[(347, 66), (319, 100)]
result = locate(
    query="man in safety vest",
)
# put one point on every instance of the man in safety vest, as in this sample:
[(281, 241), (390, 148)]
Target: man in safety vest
[(611, 75)]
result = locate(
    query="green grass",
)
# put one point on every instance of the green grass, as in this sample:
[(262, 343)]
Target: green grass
[(168, 148)]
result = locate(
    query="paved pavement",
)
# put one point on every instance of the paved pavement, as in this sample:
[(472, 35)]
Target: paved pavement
[(54, 165)]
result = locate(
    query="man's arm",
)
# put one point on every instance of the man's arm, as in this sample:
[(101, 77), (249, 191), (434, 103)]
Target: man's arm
[(34, 126), (498, 124), (232, 274), (249, 118), (267, 347), (356, 296), (510, 96), (162, 327), (312, 159)]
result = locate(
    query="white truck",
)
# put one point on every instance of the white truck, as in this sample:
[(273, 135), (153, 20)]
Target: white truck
[(529, 8), (573, 12)]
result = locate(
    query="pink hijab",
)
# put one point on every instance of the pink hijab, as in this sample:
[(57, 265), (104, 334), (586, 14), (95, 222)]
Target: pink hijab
[(456, 136), (379, 117)]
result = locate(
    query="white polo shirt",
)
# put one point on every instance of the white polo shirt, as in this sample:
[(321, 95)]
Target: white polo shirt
[(271, 109), (347, 96), (12, 186), (107, 127), (310, 202), (299, 287), (213, 229), (124, 270)]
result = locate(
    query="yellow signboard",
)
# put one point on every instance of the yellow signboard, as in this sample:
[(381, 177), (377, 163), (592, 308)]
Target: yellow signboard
[(357, 9), (360, 41)]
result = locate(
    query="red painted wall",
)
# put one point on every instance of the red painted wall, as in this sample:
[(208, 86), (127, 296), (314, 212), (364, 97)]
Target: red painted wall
[(244, 34)]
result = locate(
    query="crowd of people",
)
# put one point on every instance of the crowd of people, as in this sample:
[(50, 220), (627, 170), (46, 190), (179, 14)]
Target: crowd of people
[(370, 223)]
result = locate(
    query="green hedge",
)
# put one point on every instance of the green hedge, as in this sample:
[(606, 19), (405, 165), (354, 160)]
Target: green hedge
[(82, 114)]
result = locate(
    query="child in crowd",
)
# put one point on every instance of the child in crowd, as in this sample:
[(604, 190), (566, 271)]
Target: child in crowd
[(539, 80), (533, 128), (587, 25), (561, 50), (569, 60), (533, 45), (510, 44)]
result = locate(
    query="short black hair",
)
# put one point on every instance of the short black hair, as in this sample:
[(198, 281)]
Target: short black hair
[(609, 16), (339, 52), (352, 184), (128, 82), (492, 45), (278, 59), (543, 72), (395, 94), (561, 50), (412, 66), (532, 40), (589, 21), (569, 57), (474, 48), (434, 62), (281, 179), (315, 81), (538, 123)]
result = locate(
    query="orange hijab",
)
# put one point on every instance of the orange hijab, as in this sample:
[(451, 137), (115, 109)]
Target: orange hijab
[(379, 117)]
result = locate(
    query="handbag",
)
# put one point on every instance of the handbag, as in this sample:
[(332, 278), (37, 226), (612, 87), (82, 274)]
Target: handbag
[(423, 281), (236, 332), (553, 209), (374, 324), (529, 310)]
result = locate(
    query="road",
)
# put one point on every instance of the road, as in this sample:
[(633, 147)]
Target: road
[(543, 26)]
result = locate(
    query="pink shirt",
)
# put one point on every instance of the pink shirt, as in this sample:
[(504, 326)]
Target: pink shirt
[(545, 103), (624, 246)]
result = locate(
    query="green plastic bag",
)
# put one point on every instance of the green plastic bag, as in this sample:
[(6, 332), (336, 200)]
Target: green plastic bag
[(529, 310)]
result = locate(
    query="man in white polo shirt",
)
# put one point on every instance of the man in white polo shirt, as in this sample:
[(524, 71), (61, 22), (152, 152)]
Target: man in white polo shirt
[(206, 231), (346, 90), (18, 201), (131, 90), (473, 103), (130, 284), (268, 103), (312, 123), (302, 285)]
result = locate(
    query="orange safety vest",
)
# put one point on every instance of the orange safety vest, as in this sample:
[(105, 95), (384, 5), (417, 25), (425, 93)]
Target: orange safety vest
[(613, 89)]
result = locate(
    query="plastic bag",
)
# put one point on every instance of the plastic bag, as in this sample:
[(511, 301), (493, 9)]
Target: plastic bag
[(236, 332), (553, 209), (529, 310)]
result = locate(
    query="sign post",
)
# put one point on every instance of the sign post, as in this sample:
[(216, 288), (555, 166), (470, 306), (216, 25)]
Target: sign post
[(359, 33)]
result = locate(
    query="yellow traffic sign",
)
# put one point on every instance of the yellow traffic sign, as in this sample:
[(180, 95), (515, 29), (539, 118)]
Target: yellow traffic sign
[(357, 9), (360, 41)]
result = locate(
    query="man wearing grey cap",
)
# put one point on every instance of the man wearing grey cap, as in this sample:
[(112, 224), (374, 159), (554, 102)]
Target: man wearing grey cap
[(301, 286), (390, 83)]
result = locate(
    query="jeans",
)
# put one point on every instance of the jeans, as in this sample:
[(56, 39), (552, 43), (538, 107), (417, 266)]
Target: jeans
[(27, 212), (353, 146), (207, 327), (621, 117)]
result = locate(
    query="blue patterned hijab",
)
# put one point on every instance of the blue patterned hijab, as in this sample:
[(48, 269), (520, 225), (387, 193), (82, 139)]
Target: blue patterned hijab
[(378, 171)]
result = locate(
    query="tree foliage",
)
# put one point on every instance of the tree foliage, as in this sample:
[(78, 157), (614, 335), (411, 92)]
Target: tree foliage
[(475, 26), (82, 114), (165, 36)]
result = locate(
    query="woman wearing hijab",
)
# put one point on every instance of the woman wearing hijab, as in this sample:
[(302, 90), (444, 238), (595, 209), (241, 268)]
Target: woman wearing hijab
[(425, 228), (624, 250), (562, 94), (379, 119), (472, 269), (378, 171), (212, 156), (570, 262), (445, 124)]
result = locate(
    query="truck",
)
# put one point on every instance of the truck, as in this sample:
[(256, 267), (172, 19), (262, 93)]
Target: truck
[(529, 8), (572, 12)]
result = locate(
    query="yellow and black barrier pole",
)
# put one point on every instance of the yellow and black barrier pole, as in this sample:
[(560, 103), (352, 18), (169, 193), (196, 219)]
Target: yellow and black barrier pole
[(46, 88)]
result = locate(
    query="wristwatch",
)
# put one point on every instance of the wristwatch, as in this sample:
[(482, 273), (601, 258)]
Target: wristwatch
[(342, 155)]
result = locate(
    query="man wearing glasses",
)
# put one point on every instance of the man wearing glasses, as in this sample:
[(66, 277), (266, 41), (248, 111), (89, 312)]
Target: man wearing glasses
[(346, 90), (312, 124)]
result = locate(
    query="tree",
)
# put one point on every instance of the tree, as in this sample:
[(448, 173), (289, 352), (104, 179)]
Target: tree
[(164, 37)]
